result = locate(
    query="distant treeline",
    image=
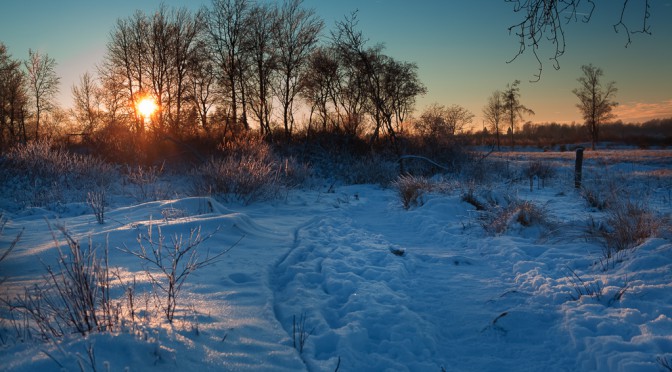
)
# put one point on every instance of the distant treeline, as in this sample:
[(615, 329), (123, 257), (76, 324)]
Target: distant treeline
[(652, 133)]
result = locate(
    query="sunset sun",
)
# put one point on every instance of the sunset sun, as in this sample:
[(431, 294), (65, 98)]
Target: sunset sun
[(147, 106)]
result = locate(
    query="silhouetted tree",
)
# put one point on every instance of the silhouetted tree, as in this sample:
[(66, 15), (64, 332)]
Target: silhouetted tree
[(13, 100), (123, 69), (42, 84), (262, 25), (186, 52), (387, 88), (152, 55), (295, 39), (443, 122), (320, 83), (513, 109), (493, 112), (201, 82), (349, 45), (595, 100), (86, 108), (226, 24), (403, 86)]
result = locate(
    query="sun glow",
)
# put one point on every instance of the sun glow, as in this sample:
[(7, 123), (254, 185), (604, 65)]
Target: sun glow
[(147, 106)]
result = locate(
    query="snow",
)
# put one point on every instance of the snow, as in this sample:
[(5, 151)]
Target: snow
[(377, 287)]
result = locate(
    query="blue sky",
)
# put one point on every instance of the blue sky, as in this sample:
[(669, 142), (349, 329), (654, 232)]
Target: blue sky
[(460, 47)]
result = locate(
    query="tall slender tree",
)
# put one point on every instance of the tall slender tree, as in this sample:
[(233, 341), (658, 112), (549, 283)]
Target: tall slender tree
[(493, 112), (595, 100), (13, 100), (296, 37), (513, 109), (226, 26), (87, 104), (42, 84), (259, 43)]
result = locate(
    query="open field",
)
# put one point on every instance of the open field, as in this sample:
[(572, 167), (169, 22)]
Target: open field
[(453, 272)]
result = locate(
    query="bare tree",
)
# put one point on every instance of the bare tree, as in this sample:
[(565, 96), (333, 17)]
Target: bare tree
[(201, 82), (320, 81), (151, 55), (295, 38), (544, 20), (42, 84), (403, 87), (513, 109), (458, 118), (595, 100), (382, 86), (226, 26), (87, 103), (443, 122), (124, 67), (493, 112), (262, 27), (185, 46), (13, 100), (352, 92)]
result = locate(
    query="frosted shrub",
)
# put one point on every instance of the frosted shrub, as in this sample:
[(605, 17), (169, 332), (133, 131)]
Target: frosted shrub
[(74, 296), (38, 174), (170, 259), (539, 169), (245, 179), (628, 225), (40, 160), (248, 171), (525, 213), (145, 179), (411, 189)]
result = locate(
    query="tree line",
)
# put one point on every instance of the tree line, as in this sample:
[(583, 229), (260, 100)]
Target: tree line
[(240, 66), (217, 71)]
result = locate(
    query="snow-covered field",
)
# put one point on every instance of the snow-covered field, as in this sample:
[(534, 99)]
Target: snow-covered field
[(344, 278)]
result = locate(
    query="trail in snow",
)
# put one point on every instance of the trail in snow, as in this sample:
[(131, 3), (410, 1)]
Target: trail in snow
[(450, 301)]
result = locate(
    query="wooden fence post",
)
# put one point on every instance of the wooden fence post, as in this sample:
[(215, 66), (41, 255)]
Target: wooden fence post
[(577, 167)]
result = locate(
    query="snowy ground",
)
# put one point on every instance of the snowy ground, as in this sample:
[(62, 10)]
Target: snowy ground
[(454, 297)]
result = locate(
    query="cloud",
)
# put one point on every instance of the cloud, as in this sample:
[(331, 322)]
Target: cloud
[(643, 111)]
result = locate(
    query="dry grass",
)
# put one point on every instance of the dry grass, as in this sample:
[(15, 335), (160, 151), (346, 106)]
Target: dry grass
[(628, 225), (498, 219), (411, 189)]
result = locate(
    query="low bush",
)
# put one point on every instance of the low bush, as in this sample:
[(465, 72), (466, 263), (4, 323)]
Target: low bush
[(248, 170), (525, 213), (628, 225), (74, 297), (411, 189), (38, 174)]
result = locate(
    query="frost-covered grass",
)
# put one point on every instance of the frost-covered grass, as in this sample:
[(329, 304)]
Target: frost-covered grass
[(469, 271)]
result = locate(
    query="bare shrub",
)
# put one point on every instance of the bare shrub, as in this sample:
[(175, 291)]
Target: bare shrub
[(583, 287), (248, 171), (300, 333), (469, 196), (145, 179), (541, 170), (411, 189), (245, 179), (73, 298), (97, 200), (175, 258), (39, 172), (628, 224), (499, 218)]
